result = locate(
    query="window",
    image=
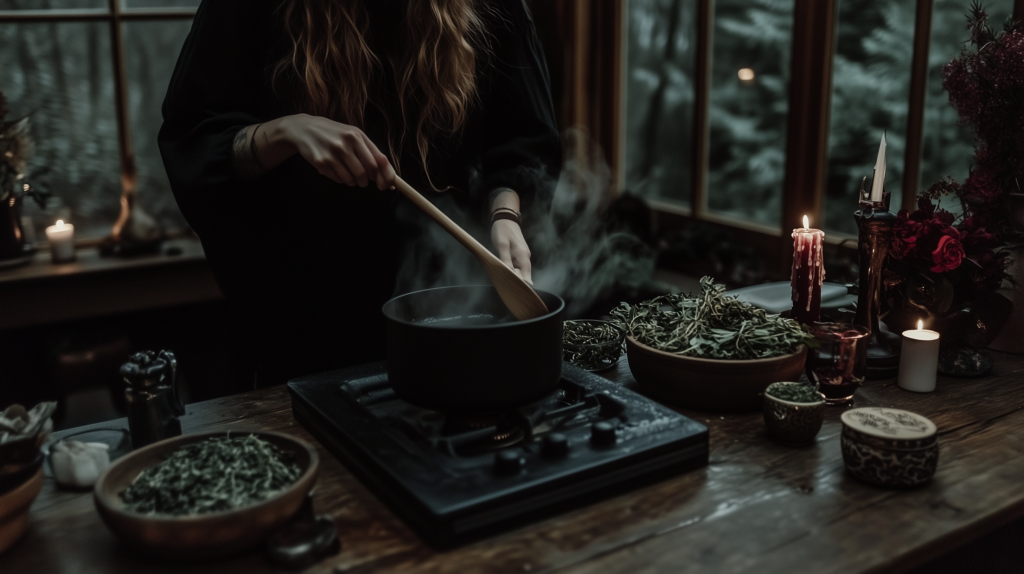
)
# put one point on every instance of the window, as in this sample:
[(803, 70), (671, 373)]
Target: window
[(870, 90), (659, 82), (884, 75), (63, 61), (749, 85)]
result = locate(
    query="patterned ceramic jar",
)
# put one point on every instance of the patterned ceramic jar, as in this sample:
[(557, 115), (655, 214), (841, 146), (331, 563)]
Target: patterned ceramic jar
[(792, 423), (889, 447)]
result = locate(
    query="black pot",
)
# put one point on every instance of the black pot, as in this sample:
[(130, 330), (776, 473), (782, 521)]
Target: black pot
[(459, 350)]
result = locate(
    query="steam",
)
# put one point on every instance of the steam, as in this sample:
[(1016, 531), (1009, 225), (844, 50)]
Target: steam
[(576, 254)]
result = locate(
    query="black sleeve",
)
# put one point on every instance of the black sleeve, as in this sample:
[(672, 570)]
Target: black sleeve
[(211, 96), (521, 147)]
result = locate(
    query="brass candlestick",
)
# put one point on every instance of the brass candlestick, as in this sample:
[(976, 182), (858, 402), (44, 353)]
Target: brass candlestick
[(875, 222)]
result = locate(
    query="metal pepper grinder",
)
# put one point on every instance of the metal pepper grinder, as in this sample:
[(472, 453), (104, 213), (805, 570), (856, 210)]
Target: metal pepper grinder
[(152, 396)]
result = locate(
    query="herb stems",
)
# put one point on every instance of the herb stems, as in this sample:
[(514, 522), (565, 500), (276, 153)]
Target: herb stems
[(710, 325), (215, 475)]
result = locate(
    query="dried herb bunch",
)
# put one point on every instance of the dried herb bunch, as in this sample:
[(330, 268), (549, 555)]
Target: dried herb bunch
[(591, 344), (711, 326), (215, 475)]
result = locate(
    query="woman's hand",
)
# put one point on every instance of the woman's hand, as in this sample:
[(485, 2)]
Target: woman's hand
[(338, 151), (513, 251), (507, 237)]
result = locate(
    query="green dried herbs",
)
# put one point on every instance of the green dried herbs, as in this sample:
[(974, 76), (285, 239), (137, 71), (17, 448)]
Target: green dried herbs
[(592, 345), (215, 475), (711, 326), (793, 392)]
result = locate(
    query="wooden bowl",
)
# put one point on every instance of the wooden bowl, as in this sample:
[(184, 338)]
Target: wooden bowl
[(204, 535), (14, 506), (709, 384)]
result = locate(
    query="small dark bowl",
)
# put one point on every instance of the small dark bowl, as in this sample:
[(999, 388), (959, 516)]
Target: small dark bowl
[(201, 536), (607, 352)]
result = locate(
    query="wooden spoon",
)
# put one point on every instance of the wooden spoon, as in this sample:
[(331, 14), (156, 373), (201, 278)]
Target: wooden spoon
[(515, 292)]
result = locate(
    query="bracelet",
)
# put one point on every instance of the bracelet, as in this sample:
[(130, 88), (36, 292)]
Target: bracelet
[(506, 215), (253, 151), (509, 209)]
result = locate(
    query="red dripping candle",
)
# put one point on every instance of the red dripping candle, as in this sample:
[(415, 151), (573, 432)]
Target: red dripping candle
[(808, 274)]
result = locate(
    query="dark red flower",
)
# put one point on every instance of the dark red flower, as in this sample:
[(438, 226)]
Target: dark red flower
[(948, 254), (904, 236)]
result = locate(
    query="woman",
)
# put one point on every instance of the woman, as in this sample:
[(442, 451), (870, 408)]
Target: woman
[(285, 123)]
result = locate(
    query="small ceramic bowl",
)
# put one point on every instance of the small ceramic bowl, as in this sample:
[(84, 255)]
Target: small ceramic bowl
[(889, 447), (14, 507), (595, 357), (792, 423), (204, 535)]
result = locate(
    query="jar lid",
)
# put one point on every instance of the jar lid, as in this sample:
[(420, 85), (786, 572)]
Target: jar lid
[(892, 424)]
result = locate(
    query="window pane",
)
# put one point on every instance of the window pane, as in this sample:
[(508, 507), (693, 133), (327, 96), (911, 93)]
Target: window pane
[(659, 98), (749, 95), (151, 50), (870, 94), (61, 73), (160, 3), (51, 4), (946, 147)]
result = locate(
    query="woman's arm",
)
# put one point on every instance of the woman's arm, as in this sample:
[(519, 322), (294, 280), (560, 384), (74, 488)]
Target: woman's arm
[(521, 149), (338, 151), (507, 236)]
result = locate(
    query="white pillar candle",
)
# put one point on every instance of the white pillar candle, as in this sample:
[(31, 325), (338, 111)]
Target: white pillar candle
[(62, 241), (919, 360)]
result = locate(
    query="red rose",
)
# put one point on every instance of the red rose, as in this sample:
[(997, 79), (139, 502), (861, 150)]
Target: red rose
[(948, 255), (904, 236)]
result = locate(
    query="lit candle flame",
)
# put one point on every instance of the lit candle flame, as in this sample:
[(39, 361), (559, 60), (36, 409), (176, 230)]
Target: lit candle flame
[(920, 325), (60, 223), (807, 223), (745, 74)]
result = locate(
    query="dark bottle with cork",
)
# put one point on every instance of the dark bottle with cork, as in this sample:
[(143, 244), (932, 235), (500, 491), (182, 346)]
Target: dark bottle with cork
[(152, 396)]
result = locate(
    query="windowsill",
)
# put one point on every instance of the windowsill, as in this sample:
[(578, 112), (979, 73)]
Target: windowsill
[(41, 292), (88, 260)]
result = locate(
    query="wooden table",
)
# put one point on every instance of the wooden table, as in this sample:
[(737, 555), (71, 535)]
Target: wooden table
[(757, 507)]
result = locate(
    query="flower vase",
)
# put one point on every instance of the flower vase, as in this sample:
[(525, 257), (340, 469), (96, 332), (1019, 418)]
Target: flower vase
[(1011, 338), (967, 319)]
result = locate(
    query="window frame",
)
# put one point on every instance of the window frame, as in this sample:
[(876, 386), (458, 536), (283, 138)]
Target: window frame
[(115, 15)]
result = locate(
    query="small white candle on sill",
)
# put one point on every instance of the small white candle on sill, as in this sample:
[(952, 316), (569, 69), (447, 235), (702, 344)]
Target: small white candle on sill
[(62, 241), (919, 359)]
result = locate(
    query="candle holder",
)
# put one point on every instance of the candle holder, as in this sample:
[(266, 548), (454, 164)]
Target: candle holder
[(875, 223)]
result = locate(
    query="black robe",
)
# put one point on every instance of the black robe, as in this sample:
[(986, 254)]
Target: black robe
[(306, 263)]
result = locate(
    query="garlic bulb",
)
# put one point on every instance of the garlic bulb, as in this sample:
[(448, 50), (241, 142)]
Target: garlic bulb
[(78, 464)]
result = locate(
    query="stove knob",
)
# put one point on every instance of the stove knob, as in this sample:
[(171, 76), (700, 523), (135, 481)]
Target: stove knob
[(602, 433), (508, 462), (555, 444)]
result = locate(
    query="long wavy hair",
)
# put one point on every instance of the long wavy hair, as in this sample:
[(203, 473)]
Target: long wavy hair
[(434, 64)]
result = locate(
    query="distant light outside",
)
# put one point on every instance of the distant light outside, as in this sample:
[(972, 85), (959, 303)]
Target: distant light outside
[(745, 74)]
